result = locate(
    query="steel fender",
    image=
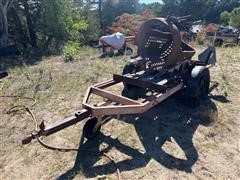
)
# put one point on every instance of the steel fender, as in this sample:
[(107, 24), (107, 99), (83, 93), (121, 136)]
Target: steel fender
[(192, 82), (197, 70)]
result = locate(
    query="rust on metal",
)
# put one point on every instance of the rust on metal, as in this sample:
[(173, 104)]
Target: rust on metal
[(59, 125), (112, 97), (125, 106), (159, 43), (161, 53)]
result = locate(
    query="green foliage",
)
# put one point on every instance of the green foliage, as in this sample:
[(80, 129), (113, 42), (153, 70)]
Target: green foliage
[(235, 18), (71, 50), (78, 30), (125, 6), (113, 8), (184, 7), (48, 24), (89, 24), (93, 30), (52, 23), (213, 9), (57, 17), (156, 8), (231, 18), (109, 12), (208, 10), (79, 26), (225, 17)]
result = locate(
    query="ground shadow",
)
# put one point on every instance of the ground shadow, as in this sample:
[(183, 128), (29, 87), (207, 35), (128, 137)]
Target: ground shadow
[(220, 98), (29, 56), (169, 120), (9, 62)]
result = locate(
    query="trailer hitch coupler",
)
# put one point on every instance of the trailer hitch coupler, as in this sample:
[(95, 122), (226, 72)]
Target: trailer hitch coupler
[(27, 140), (30, 137)]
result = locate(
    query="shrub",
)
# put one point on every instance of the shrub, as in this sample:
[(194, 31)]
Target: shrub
[(200, 38), (129, 24), (71, 50)]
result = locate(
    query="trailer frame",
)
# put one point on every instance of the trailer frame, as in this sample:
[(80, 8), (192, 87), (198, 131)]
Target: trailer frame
[(162, 77)]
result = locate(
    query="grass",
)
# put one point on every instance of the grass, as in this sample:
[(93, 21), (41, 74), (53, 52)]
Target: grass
[(52, 76), (59, 88)]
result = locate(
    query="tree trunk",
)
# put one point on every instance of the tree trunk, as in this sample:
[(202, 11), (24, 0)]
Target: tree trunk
[(3, 23), (100, 14), (46, 44), (32, 33), (20, 35)]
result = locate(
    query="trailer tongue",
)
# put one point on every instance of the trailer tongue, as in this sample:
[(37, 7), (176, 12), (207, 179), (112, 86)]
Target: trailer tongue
[(163, 67)]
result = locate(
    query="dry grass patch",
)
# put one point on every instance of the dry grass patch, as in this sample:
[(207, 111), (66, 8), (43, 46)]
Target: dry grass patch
[(207, 137)]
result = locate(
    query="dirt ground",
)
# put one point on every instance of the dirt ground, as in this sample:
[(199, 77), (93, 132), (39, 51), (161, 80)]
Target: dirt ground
[(171, 141)]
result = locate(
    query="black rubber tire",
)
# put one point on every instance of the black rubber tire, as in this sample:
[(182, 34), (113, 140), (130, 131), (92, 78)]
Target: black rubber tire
[(197, 86), (129, 51), (131, 91), (130, 67), (125, 51), (218, 42), (111, 54), (88, 129)]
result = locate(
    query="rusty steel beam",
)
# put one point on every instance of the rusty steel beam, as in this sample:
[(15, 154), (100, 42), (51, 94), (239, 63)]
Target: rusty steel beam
[(113, 97), (59, 125), (106, 84), (132, 108), (87, 94), (160, 97)]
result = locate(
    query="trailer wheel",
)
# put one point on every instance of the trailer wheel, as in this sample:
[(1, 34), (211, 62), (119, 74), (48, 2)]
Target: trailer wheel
[(88, 129), (129, 51), (197, 86), (218, 42), (130, 90), (125, 51)]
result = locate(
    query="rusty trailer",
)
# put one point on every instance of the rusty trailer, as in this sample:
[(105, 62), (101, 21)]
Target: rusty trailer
[(163, 67)]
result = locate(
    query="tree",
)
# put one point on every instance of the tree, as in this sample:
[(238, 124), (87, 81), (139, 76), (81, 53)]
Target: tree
[(184, 7), (87, 13), (30, 24), (126, 6), (213, 9), (225, 17), (4, 7), (208, 10), (156, 8), (38, 23), (113, 8), (231, 18), (235, 18), (56, 18), (24, 17), (129, 24), (109, 12)]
